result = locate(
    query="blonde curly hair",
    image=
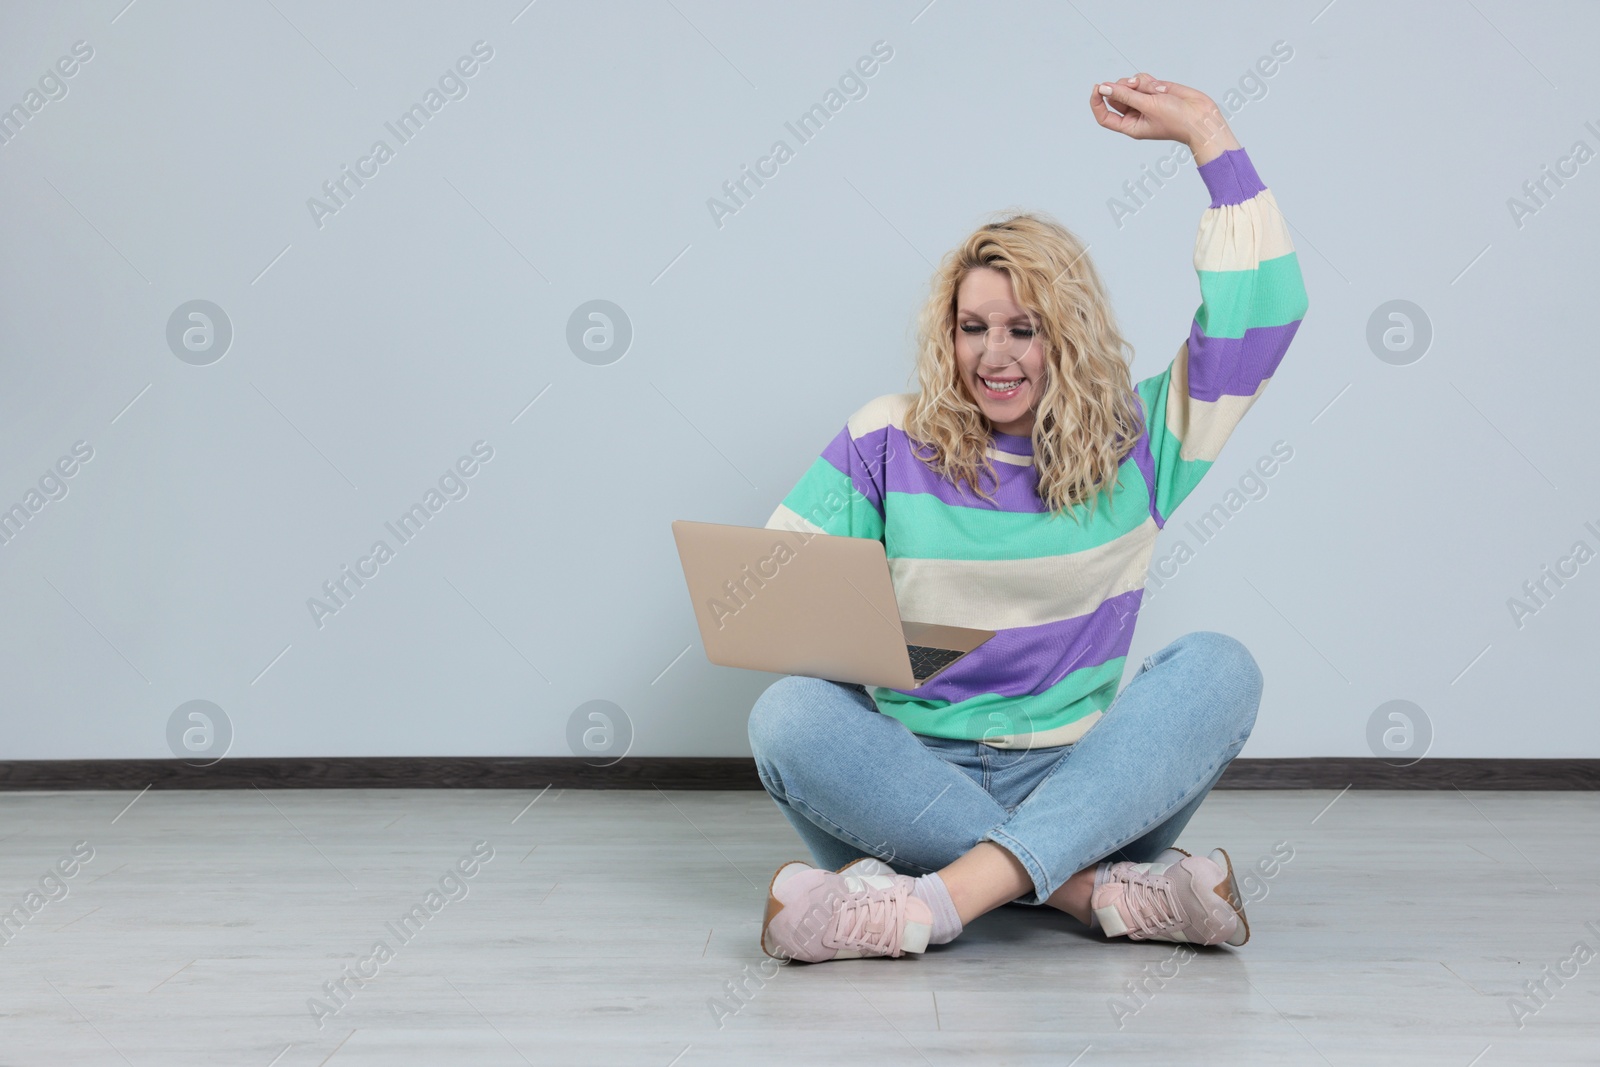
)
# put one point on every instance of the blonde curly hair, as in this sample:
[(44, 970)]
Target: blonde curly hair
[(1088, 417)]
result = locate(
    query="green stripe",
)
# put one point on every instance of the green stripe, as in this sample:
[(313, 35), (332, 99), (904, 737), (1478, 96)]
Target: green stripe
[(1178, 482), (926, 527), (1175, 477), (993, 714), (1233, 301), (828, 497)]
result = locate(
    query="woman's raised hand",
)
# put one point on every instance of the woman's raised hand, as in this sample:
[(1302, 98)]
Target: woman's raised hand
[(1148, 109)]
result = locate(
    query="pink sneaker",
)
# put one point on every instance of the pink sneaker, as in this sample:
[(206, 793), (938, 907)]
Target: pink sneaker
[(1177, 897), (1230, 887), (815, 915)]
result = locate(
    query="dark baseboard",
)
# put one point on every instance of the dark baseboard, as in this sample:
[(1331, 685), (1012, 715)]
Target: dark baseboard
[(387, 772), (1337, 772), (717, 772)]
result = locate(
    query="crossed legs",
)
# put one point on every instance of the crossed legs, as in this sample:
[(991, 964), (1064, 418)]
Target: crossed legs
[(854, 782)]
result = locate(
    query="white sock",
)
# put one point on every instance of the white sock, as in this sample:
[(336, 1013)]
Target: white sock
[(1101, 871), (930, 889)]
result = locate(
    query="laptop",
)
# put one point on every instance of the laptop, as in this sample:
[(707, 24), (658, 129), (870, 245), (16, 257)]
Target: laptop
[(819, 605)]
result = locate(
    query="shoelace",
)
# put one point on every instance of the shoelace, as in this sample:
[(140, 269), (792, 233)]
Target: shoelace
[(872, 919), (1150, 901)]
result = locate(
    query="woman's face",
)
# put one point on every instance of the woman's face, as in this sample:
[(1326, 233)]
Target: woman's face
[(996, 344)]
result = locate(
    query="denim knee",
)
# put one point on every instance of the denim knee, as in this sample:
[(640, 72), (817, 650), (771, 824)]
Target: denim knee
[(788, 715), (1236, 671)]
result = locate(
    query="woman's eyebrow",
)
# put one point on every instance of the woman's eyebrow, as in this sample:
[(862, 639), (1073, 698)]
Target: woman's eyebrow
[(1021, 316)]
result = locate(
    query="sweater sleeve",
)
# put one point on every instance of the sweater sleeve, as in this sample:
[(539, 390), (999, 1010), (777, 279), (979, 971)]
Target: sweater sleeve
[(1252, 299), (842, 492)]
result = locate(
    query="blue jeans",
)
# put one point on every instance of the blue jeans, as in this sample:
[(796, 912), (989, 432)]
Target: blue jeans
[(854, 782)]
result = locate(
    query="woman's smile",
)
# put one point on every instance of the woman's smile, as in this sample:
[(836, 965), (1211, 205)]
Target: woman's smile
[(1011, 387)]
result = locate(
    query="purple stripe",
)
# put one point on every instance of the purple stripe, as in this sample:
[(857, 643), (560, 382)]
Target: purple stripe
[(846, 456), (1027, 660), (1018, 489), (1231, 178), (1147, 467), (1235, 366), (1015, 444)]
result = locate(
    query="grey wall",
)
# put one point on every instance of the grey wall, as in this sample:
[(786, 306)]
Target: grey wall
[(372, 348)]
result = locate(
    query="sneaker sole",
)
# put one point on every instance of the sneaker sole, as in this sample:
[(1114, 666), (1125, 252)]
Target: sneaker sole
[(774, 905), (1228, 889)]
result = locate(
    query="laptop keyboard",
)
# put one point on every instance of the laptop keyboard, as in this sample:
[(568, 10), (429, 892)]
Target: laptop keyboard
[(926, 661)]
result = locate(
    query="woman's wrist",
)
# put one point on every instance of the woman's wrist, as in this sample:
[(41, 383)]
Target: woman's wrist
[(1212, 139)]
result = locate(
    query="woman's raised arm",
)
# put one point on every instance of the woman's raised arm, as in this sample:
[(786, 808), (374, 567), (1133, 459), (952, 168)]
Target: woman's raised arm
[(1252, 295)]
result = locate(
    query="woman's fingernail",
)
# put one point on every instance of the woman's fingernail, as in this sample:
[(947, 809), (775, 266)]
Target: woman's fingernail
[(1161, 88), (1105, 90), (1133, 81)]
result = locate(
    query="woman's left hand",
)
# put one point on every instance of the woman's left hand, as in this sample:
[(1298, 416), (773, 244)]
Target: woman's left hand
[(1148, 109)]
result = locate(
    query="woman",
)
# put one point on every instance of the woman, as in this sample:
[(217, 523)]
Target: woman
[(986, 784)]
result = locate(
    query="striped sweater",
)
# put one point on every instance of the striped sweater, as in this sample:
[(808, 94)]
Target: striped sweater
[(1062, 597)]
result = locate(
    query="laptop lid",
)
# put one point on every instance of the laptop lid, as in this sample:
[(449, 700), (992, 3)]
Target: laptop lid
[(793, 602)]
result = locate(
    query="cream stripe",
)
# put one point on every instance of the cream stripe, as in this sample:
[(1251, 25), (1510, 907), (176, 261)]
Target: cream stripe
[(1222, 243), (1061, 735), (1001, 594), (887, 410), (1202, 425), (786, 518)]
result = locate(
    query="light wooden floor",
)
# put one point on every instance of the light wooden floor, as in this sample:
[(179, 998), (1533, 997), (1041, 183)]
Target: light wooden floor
[(607, 921)]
